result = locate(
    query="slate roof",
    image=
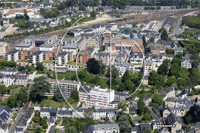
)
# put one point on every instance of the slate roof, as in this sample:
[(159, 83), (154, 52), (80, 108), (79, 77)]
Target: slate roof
[(197, 125), (169, 44), (37, 52), (21, 77), (50, 121), (65, 112), (23, 45), (148, 62), (97, 26), (8, 70), (62, 53), (12, 51), (145, 125), (189, 60), (171, 119), (136, 128), (50, 110), (70, 46), (132, 109)]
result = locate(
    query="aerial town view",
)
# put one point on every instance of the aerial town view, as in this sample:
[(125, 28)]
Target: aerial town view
[(100, 66)]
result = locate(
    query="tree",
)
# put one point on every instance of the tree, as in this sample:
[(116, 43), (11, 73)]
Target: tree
[(74, 95), (102, 68), (82, 8), (38, 130), (39, 88), (114, 72), (164, 35), (129, 85), (57, 96), (122, 87), (162, 69), (11, 101), (88, 114), (123, 123), (93, 14), (93, 66), (40, 67), (141, 106), (2, 89), (170, 81), (175, 68), (157, 99), (193, 115), (151, 39), (36, 119), (195, 64), (147, 116), (43, 123), (20, 68), (71, 129), (156, 79)]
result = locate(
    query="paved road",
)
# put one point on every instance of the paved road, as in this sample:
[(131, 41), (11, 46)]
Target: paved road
[(52, 129), (21, 113), (177, 28)]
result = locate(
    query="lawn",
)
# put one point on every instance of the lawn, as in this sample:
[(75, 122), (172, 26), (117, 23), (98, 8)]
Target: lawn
[(14, 116), (22, 60), (48, 61), (49, 102), (69, 75), (74, 63)]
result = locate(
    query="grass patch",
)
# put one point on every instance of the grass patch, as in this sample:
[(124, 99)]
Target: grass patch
[(22, 60), (69, 75), (9, 125), (49, 102), (14, 116), (74, 63), (138, 117), (48, 61)]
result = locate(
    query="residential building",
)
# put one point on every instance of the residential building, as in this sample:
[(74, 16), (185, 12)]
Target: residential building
[(98, 28), (198, 36), (5, 117), (157, 49), (24, 46), (12, 55), (62, 58), (111, 114), (186, 63), (64, 113), (70, 48), (99, 114), (4, 48), (8, 80), (168, 24), (156, 58), (83, 56), (96, 96), (178, 50), (173, 120), (21, 80), (36, 57), (8, 71), (25, 120), (78, 32), (145, 80), (148, 67), (48, 112), (123, 67), (65, 85), (104, 128)]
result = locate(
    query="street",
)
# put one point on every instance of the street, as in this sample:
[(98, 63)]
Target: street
[(19, 117)]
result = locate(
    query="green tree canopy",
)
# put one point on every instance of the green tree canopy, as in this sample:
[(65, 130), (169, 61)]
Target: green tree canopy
[(39, 88)]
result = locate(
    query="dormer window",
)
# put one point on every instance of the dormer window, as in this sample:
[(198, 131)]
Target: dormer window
[(102, 128), (113, 128)]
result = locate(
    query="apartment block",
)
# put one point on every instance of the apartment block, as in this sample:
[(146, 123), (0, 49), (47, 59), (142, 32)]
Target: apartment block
[(65, 85), (4, 48), (12, 55), (96, 96)]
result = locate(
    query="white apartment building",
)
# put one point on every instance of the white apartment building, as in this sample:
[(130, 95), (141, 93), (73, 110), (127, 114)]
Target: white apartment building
[(46, 47), (70, 48), (4, 47), (78, 32), (24, 46), (12, 55), (9, 71), (62, 58), (98, 97), (37, 57)]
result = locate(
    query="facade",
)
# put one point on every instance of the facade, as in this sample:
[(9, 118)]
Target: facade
[(36, 57), (148, 67), (98, 28), (12, 55), (5, 116), (66, 86), (99, 97), (4, 48), (8, 80), (186, 63), (62, 58), (123, 67), (178, 50), (104, 128)]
